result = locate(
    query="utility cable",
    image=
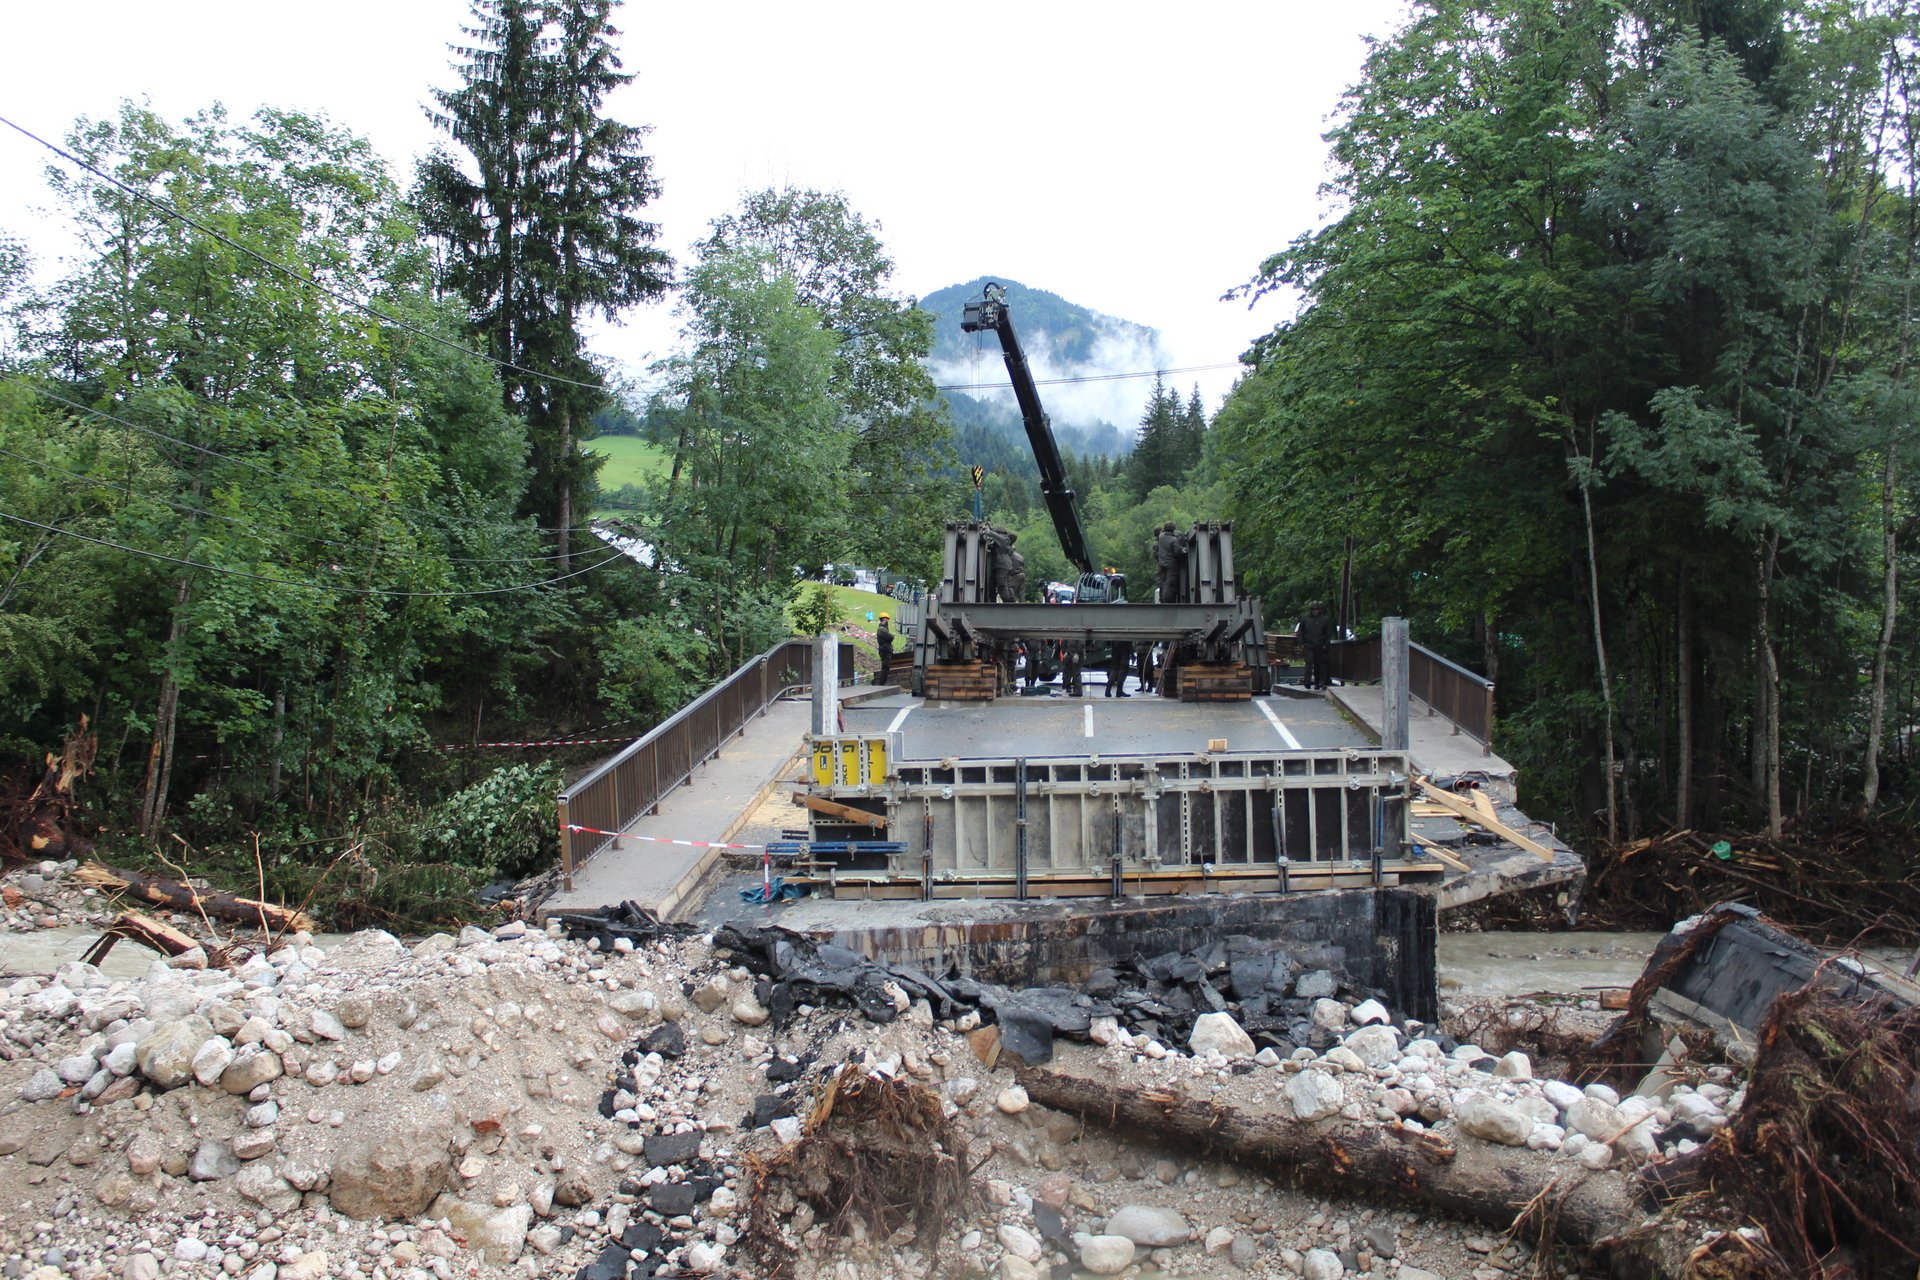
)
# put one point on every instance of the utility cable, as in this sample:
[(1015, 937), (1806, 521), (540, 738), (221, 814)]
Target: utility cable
[(301, 277), (1092, 377), (308, 586)]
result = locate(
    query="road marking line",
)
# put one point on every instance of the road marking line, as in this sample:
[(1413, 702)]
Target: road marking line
[(901, 718), (1286, 736), (1089, 710)]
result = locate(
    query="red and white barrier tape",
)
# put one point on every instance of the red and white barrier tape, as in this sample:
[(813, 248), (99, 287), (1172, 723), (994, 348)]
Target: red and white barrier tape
[(690, 844), (551, 742)]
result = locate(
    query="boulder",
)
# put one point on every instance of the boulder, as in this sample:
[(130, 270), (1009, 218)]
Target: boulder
[(1323, 1264), (1105, 1255), (1149, 1225), (166, 1055), (393, 1174), (1314, 1095), (1219, 1033), (1375, 1045), (1489, 1120), (497, 1235), (1018, 1241)]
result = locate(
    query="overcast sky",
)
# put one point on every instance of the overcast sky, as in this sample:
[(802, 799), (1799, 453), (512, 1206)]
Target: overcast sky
[(1133, 158)]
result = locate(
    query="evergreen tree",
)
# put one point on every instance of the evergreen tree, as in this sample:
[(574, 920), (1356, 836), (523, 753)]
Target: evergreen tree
[(1157, 454), (545, 229)]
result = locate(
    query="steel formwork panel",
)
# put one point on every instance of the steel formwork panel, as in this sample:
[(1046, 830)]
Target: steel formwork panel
[(1225, 810)]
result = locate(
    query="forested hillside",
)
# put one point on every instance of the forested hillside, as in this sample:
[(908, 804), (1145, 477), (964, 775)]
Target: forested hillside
[(1605, 365)]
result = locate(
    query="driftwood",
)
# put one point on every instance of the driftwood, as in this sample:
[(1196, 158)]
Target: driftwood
[(1477, 1180), (171, 893), (148, 932)]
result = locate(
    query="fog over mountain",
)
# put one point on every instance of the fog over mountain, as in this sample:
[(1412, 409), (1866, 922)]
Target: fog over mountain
[(1061, 340)]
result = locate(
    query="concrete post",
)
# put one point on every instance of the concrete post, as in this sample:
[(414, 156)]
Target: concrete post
[(826, 684), (1394, 694)]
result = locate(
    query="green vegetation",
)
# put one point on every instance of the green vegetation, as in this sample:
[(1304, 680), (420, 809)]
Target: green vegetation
[(628, 464)]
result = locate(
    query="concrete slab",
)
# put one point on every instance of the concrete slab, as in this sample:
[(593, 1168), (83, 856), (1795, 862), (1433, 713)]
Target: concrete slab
[(1140, 724), (708, 808)]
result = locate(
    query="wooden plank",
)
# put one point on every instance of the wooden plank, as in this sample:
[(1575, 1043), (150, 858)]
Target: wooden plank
[(1471, 814), (1440, 853), (834, 809), (1484, 803)]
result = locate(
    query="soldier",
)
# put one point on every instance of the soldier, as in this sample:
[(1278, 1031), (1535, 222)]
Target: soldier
[(883, 637), (1316, 635), (1166, 560), (1119, 658), (1070, 670)]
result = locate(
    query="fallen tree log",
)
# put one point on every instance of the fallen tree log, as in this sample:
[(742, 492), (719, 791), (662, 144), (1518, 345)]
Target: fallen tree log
[(1472, 1179), (180, 897), (157, 935)]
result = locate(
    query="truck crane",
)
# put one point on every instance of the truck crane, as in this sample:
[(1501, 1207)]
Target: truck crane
[(976, 617)]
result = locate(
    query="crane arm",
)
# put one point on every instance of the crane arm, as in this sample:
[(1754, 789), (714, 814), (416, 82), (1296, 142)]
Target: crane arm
[(990, 313)]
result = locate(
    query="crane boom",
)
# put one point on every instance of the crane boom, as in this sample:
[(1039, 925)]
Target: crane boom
[(990, 313)]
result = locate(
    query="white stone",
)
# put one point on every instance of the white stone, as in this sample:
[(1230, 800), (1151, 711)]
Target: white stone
[(1489, 1120), (1018, 1241), (705, 1258), (1268, 1057), (1369, 1011), (1514, 1066), (1219, 1033), (1374, 1045), (1149, 1225), (1330, 1015), (1012, 1100), (1595, 1155), (1322, 1264), (1105, 1255), (1594, 1118), (1602, 1093), (1104, 1030), (212, 1061), (787, 1129), (1314, 1094)]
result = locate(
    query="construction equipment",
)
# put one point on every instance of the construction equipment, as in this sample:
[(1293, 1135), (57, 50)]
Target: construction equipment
[(964, 650)]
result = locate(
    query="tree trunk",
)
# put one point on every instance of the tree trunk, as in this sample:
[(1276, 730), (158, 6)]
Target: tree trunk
[(1600, 657), (1683, 703), (1769, 694), (1890, 596), (565, 473), (1478, 1180)]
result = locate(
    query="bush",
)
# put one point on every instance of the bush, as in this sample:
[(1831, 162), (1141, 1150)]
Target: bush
[(502, 825), (815, 608)]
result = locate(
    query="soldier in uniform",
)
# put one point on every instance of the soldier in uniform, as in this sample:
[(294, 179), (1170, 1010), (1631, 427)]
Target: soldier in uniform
[(1166, 560), (1119, 658), (1316, 636), (883, 637)]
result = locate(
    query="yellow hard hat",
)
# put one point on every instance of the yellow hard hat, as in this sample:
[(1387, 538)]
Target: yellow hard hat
[(886, 617)]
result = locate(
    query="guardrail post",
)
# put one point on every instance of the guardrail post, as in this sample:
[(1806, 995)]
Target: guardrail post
[(1394, 729), (566, 845), (826, 684)]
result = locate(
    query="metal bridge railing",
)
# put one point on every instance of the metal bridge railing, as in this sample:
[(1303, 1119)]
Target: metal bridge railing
[(636, 779), (1462, 696)]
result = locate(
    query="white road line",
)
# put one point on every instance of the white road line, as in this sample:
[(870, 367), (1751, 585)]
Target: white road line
[(901, 718), (1286, 735), (1089, 710)]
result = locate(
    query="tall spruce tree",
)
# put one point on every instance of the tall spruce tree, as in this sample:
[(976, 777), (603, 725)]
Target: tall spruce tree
[(544, 228)]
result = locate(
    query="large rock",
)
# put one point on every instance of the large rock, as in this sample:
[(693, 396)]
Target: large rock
[(1105, 1255), (1018, 1241), (166, 1055), (1489, 1120), (212, 1060), (1594, 1119), (495, 1234), (1323, 1264), (1375, 1045), (212, 1161), (1219, 1033), (259, 1183), (1314, 1095), (1149, 1225), (253, 1066), (393, 1174)]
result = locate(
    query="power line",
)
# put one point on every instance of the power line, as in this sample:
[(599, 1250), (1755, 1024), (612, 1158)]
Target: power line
[(307, 586), (266, 470), (301, 277), (250, 527), (1092, 377)]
